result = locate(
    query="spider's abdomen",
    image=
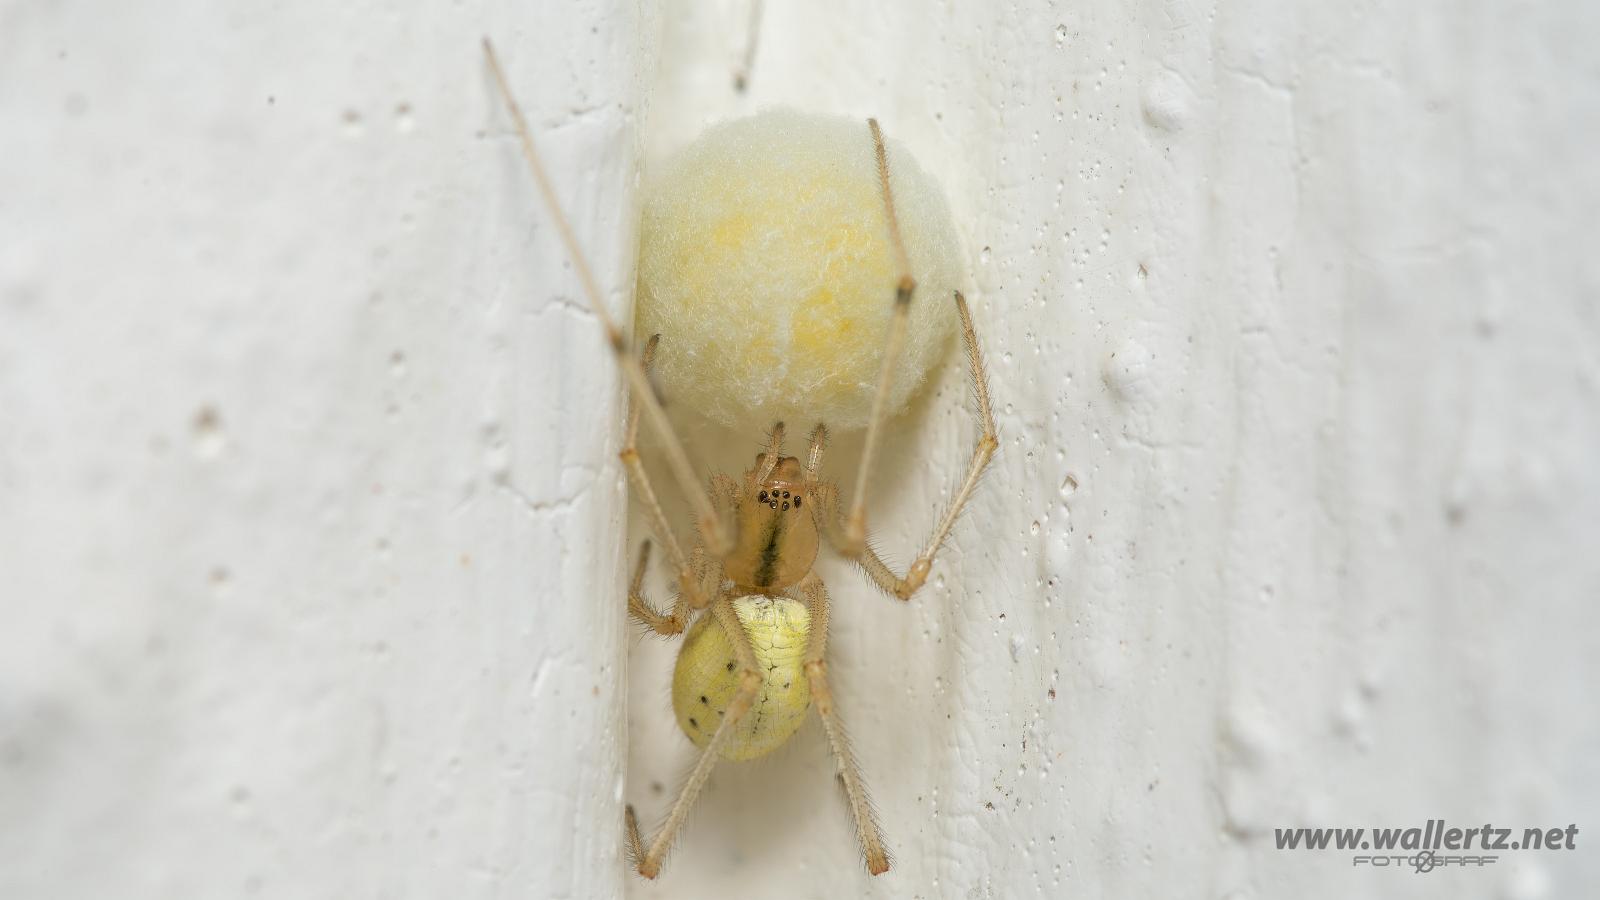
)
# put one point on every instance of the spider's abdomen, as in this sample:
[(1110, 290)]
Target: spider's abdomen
[(707, 677)]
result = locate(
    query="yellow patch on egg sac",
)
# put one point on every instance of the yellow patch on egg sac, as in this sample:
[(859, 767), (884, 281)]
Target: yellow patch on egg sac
[(765, 266)]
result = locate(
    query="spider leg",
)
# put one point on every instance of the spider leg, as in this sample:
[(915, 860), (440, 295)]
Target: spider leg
[(644, 611), (982, 452), (712, 528), (690, 587), (769, 459), (815, 595), (819, 442), (836, 528), (649, 856), (856, 524)]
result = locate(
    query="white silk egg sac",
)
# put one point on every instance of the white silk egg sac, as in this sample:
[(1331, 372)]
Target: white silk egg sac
[(766, 266)]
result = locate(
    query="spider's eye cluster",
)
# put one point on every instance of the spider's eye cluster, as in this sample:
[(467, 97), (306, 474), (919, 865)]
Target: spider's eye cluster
[(779, 499)]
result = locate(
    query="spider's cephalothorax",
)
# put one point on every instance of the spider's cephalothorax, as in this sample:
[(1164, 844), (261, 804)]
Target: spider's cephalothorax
[(755, 658), (775, 538)]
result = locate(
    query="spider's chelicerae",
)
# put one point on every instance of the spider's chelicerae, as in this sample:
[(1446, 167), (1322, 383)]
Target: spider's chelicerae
[(755, 656)]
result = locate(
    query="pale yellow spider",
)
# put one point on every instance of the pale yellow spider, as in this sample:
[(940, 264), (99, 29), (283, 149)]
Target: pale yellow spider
[(754, 659)]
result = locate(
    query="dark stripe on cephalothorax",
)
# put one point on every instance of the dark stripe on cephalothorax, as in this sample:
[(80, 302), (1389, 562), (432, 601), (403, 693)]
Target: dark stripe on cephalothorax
[(769, 555)]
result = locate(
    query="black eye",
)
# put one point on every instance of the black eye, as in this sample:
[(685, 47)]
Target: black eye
[(786, 504), (797, 503), (785, 495), (763, 496)]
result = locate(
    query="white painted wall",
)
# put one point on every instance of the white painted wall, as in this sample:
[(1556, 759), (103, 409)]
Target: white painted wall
[(308, 507), (311, 539)]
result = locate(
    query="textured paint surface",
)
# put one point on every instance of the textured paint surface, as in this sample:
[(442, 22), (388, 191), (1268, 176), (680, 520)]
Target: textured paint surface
[(310, 526), (311, 532)]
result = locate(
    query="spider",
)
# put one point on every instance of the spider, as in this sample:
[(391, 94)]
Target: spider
[(754, 660)]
